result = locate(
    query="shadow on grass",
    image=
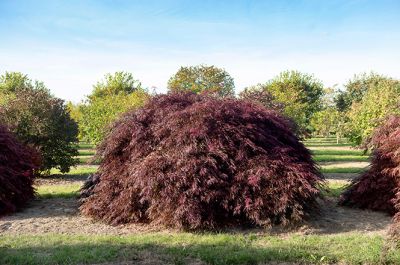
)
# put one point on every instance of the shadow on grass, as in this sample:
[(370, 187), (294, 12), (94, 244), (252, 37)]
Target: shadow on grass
[(69, 177), (45, 208), (340, 152), (89, 160), (188, 248), (341, 176), (58, 195), (307, 144), (350, 159), (77, 173)]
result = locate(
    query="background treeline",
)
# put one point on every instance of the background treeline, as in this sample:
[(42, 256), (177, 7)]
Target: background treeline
[(53, 127)]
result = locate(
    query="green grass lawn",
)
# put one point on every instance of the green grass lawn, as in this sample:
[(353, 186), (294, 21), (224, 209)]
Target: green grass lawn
[(339, 152), (342, 169), (211, 248), (327, 144), (77, 171), (58, 191), (83, 145), (341, 158), (87, 160), (86, 152), (334, 189)]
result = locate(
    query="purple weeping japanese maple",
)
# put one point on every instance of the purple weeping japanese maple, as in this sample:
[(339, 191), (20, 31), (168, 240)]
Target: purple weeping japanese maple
[(18, 165), (194, 161), (378, 188)]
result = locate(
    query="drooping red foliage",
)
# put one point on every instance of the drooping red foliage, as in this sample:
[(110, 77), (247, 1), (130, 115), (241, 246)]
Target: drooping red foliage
[(18, 164), (379, 187), (193, 161)]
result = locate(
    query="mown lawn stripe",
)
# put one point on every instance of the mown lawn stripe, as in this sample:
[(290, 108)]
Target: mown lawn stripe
[(211, 248)]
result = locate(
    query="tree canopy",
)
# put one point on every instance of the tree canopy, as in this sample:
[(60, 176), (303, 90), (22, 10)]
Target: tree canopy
[(358, 86), (381, 98), (261, 95), (112, 96), (39, 119), (298, 94), (114, 84), (202, 78)]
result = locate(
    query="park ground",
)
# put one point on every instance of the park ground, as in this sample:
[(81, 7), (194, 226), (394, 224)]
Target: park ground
[(50, 229)]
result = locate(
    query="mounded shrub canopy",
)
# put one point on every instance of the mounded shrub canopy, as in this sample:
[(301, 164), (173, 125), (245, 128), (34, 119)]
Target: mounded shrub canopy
[(379, 187), (193, 161), (18, 164)]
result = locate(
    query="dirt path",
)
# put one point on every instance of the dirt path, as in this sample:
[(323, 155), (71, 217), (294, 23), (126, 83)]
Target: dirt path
[(336, 164), (340, 176), (334, 219), (59, 215), (60, 181), (62, 216)]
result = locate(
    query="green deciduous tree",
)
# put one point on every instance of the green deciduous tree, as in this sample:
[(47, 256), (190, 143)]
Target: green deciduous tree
[(299, 94), (329, 120), (114, 84), (75, 111), (260, 94), (10, 82), (111, 97), (39, 119), (357, 87), (202, 78), (380, 99)]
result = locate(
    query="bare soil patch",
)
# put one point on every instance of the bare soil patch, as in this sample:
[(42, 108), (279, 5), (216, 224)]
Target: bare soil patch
[(340, 176), (60, 180), (336, 164), (62, 216), (334, 219)]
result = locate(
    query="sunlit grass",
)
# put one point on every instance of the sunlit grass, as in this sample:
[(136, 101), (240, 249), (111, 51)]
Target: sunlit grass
[(339, 152), (341, 158), (86, 152), (312, 144), (335, 188), (342, 169), (83, 145), (209, 248), (58, 191), (79, 170)]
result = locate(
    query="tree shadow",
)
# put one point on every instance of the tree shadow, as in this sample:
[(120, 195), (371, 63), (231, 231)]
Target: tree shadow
[(335, 219), (45, 208), (126, 250)]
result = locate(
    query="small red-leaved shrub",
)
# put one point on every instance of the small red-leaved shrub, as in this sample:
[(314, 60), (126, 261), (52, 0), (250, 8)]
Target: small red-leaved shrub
[(18, 164), (379, 187), (193, 161)]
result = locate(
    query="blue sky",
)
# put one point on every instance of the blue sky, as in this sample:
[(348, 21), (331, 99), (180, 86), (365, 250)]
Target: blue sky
[(71, 44)]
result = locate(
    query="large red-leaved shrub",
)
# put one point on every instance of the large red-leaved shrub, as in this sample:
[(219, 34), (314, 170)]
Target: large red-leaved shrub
[(18, 165), (379, 187), (194, 161)]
